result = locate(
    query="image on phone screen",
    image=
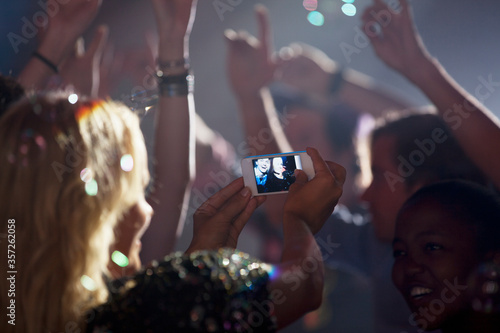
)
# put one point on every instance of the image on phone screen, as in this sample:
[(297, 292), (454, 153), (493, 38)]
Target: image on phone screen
[(275, 174)]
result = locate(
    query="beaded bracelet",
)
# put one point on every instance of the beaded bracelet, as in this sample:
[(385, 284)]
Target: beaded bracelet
[(46, 61)]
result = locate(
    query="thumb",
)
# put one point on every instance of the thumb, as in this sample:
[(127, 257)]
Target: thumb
[(300, 176)]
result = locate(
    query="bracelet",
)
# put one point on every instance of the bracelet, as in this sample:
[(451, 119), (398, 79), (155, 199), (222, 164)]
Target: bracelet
[(46, 61), (175, 85), (173, 64), (336, 82)]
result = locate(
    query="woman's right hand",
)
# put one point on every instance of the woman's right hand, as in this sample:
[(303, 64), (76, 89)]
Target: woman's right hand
[(219, 220), (313, 201)]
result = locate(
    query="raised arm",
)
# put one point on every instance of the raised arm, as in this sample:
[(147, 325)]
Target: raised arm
[(250, 70), (475, 127), (58, 41), (174, 134), (310, 71)]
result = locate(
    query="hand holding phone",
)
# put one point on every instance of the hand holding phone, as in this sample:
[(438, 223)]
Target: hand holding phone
[(312, 201), (274, 173)]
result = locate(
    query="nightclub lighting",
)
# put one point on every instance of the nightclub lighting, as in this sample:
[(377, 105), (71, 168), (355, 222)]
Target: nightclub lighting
[(349, 9), (310, 4), (316, 18)]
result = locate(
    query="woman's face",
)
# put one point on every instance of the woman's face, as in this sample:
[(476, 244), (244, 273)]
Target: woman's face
[(278, 165), (128, 235), (131, 228), (434, 255)]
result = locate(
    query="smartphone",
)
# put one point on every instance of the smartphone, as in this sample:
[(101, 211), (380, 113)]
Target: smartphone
[(273, 173)]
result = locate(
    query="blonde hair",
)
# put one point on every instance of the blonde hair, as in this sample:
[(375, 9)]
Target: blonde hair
[(63, 184)]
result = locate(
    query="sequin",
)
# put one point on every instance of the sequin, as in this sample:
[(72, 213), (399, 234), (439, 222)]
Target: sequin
[(201, 292)]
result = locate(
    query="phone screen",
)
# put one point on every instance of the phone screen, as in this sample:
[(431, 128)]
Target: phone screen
[(275, 174)]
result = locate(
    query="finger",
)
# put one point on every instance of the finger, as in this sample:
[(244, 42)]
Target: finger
[(319, 164), (107, 61), (230, 35), (79, 47), (404, 8), (233, 207), (219, 198), (296, 48), (245, 216), (251, 40), (338, 171), (264, 29), (152, 43), (286, 53), (96, 48), (300, 176)]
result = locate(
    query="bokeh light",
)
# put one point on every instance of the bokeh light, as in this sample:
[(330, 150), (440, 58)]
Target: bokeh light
[(86, 175), (40, 141), (119, 258), (127, 162), (316, 18), (348, 1), (73, 98), (88, 283), (310, 4), (91, 187), (349, 9)]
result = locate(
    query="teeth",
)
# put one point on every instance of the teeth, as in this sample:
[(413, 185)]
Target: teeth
[(419, 291)]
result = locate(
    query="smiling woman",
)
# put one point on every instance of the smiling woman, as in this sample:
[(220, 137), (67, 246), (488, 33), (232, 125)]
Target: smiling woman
[(443, 233)]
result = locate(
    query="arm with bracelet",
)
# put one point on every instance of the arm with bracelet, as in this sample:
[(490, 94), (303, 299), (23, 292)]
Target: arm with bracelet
[(475, 127), (308, 70), (174, 161), (58, 41)]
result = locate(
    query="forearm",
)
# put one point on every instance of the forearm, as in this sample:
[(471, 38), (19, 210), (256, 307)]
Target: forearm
[(362, 93), (173, 162), (475, 127), (298, 287), (262, 124), (36, 73)]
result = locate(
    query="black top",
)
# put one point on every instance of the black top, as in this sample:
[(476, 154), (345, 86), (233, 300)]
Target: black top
[(206, 291)]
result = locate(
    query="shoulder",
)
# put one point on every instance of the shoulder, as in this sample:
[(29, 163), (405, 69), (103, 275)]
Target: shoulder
[(203, 291)]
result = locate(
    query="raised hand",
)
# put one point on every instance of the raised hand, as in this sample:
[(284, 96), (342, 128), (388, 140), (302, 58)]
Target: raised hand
[(82, 68), (174, 135), (67, 25), (219, 221), (175, 17), (397, 43), (57, 40), (250, 66), (175, 20), (313, 201)]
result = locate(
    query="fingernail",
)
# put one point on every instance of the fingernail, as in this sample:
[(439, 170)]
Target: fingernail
[(230, 34), (245, 192)]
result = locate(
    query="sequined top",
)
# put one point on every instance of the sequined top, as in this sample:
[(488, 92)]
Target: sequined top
[(206, 291)]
